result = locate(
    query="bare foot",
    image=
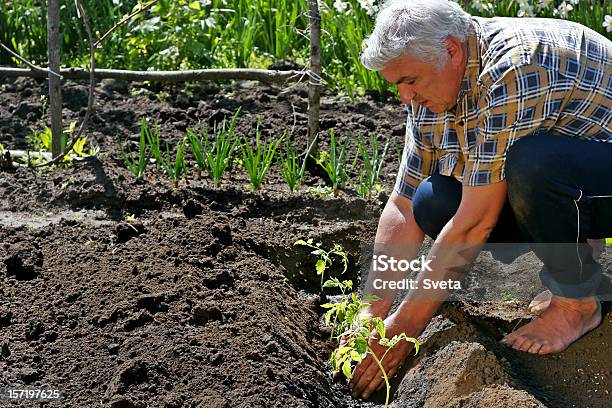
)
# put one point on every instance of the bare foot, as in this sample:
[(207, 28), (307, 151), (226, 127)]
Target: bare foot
[(563, 322), (540, 302)]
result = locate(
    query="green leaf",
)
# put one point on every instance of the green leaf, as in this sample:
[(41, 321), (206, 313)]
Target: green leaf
[(320, 266), (361, 345), (300, 242), (346, 370), (195, 5), (379, 326)]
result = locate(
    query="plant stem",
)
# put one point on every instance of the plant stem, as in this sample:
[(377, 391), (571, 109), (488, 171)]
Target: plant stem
[(382, 370)]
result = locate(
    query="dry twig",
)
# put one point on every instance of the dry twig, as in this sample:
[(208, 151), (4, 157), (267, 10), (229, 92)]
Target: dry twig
[(44, 71)]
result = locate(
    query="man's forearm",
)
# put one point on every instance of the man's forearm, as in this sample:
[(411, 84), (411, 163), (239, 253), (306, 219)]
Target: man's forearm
[(398, 235), (450, 257)]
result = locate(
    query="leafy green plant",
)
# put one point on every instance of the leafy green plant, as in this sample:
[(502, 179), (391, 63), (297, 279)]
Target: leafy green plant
[(292, 169), (138, 164), (372, 162), (334, 162), (257, 160), (195, 142), (40, 142), (320, 191), (173, 167), (214, 156), (355, 330), (325, 260), (350, 327)]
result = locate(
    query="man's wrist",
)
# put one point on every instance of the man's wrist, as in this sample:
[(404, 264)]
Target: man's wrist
[(379, 308)]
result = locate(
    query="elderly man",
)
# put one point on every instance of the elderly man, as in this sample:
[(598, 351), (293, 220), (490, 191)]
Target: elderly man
[(508, 140)]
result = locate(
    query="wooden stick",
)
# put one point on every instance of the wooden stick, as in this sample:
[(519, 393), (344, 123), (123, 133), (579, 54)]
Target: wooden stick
[(55, 91), (261, 75), (90, 101), (314, 85)]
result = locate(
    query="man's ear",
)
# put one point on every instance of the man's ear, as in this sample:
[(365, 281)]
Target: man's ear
[(455, 50)]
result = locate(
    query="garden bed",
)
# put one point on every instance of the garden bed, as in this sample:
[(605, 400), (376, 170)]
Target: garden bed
[(125, 293)]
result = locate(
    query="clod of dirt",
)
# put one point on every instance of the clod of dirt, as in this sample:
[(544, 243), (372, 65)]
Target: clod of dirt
[(35, 330), (457, 370), (192, 208), (113, 349), (24, 108), (23, 261), (128, 230), (5, 351), (129, 373), (216, 278), (29, 375), (154, 302), (222, 233), (5, 316), (137, 320), (120, 401), (498, 396), (115, 85), (202, 314)]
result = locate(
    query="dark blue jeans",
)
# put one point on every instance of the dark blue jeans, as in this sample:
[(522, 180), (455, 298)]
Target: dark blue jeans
[(559, 194)]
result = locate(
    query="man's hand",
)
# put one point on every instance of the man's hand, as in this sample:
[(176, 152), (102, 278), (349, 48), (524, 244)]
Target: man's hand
[(367, 377)]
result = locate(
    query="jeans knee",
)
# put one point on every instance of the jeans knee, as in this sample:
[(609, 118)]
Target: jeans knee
[(435, 202)]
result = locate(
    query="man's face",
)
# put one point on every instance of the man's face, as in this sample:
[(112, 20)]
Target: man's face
[(435, 89)]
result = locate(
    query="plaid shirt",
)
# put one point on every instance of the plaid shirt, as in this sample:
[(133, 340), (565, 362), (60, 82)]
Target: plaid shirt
[(523, 76)]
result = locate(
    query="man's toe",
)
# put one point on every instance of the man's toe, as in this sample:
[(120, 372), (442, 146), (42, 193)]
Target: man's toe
[(526, 345), (519, 342), (535, 347), (545, 349), (509, 339)]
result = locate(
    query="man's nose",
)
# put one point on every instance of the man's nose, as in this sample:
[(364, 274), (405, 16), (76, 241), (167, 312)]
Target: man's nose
[(406, 94)]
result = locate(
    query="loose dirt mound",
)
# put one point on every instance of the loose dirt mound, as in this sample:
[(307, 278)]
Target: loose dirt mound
[(200, 299)]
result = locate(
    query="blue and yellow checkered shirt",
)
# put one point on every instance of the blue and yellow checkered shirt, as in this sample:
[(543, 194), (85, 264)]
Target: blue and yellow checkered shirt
[(523, 76)]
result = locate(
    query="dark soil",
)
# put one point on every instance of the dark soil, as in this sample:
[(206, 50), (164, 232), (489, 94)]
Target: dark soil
[(125, 293)]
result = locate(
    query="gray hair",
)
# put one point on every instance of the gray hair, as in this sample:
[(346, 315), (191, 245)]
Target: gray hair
[(418, 28)]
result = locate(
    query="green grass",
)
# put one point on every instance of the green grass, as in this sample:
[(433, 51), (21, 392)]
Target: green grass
[(185, 34)]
